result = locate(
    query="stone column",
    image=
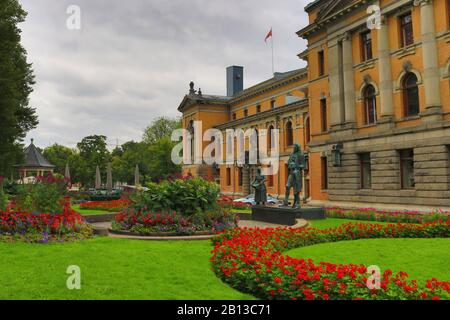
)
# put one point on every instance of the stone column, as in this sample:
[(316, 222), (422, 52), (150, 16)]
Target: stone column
[(349, 81), (385, 73), (336, 108), (430, 55)]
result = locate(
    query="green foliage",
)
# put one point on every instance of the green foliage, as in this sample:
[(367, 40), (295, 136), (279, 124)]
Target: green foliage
[(183, 196), (3, 199), (160, 128), (16, 80), (44, 196)]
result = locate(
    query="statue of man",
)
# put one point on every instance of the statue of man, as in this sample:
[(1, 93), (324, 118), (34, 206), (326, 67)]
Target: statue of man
[(259, 184), (296, 165)]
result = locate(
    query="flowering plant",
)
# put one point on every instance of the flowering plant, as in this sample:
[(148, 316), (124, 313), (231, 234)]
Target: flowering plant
[(370, 214), (251, 261), (111, 206), (145, 221), (228, 202)]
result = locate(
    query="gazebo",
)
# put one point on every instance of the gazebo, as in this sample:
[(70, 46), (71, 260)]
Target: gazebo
[(35, 163)]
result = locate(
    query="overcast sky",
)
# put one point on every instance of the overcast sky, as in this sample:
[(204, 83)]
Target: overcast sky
[(132, 60)]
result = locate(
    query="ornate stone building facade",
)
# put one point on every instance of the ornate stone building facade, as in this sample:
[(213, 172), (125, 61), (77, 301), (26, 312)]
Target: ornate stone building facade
[(372, 109)]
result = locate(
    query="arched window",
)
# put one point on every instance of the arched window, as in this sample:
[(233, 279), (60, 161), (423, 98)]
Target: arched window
[(269, 137), (289, 135), (307, 130), (410, 95), (370, 105)]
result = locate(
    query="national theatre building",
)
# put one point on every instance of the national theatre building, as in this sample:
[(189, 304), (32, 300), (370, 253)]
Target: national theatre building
[(371, 109)]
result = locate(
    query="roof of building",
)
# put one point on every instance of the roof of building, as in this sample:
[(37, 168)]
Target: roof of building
[(278, 77), (35, 159)]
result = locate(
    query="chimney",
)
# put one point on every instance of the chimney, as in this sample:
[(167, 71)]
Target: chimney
[(235, 80)]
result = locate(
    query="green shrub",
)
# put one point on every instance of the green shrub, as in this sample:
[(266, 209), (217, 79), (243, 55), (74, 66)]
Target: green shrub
[(3, 199), (46, 195), (184, 196)]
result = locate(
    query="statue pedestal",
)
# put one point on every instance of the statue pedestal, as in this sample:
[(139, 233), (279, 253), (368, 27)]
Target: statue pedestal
[(286, 216)]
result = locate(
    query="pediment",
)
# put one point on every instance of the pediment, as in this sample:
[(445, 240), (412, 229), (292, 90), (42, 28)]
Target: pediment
[(333, 7)]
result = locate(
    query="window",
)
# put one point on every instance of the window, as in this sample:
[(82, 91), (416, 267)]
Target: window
[(269, 137), (366, 171), (245, 113), (228, 176), (289, 134), (370, 105), (407, 168), (240, 177), (448, 14), (270, 180), (234, 116), (324, 169), (307, 130), (323, 115), (366, 46), (273, 104), (406, 30), (321, 61), (258, 108), (410, 95)]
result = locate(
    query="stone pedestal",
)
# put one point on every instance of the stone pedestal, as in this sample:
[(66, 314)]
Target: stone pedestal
[(286, 216)]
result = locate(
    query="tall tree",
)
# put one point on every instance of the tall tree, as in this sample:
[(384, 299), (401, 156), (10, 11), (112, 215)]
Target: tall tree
[(16, 81), (160, 128), (59, 156), (93, 152)]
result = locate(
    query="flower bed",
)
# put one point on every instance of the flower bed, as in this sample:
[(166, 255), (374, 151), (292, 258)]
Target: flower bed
[(45, 227), (369, 214), (228, 202), (251, 260), (144, 222), (109, 206)]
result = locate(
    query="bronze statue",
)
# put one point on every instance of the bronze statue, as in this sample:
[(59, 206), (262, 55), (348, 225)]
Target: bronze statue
[(296, 166), (259, 184)]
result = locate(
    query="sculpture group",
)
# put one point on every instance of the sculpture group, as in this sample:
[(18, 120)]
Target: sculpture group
[(296, 166)]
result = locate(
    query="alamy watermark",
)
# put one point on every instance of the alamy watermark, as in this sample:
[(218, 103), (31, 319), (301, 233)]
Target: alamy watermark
[(74, 280), (73, 21), (374, 19)]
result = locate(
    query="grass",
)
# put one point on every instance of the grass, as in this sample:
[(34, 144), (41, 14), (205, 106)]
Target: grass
[(88, 211), (112, 269), (422, 259), (241, 210), (332, 223)]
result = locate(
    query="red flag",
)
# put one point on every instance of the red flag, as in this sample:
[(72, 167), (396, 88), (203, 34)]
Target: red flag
[(269, 35)]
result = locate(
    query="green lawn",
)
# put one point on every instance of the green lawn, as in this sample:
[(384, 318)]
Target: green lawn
[(332, 223), (88, 212), (112, 269), (422, 259)]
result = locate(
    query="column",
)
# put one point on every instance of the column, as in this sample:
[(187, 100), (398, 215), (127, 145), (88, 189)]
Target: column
[(430, 56), (336, 108), (385, 72), (349, 81)]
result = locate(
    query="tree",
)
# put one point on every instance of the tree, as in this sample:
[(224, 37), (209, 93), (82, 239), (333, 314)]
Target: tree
[(161, 164), (160, 128), (59, 156), (94, 152), (16, 81)]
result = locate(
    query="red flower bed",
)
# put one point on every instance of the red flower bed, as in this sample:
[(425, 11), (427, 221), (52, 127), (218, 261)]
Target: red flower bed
[(226, 201), (251, 260), (17, 222), (111, 206), (370, 214)]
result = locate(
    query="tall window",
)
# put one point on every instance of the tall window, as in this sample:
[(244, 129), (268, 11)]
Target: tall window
[(289, 134), (307, 130), (234, 116), (366, 171), (240, 177), (410, 95), (245, 113), (321, 62), (407, 168), (448, 14), (370, 105), (324, 169), (228, 173), (269, 137), (270, 180), (406, 30), (258, 108), (366, 46), (323, 115)]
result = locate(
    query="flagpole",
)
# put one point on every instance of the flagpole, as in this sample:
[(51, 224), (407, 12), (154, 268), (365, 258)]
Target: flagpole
[(273, 64)]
